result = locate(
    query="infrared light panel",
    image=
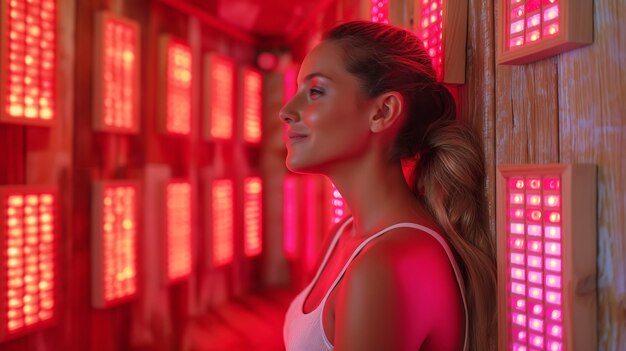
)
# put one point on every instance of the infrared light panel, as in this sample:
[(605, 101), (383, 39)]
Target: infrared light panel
[(28, 61), (252, 215), (114, 242), (116, 90), (178, 229), (28, 259), (546, 257), (252, 105), (176, 90), (219, 86), (222, 210), (535, 29), (379, 11), (441, 25)]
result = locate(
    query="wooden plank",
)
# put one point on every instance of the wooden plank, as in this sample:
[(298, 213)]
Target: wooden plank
[(527, 118), (592, 119), (478, 95)]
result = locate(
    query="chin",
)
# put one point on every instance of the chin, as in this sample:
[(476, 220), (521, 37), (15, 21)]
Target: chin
[(298, 166)]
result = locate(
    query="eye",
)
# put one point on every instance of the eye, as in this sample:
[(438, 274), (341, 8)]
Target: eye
[(314, 93)]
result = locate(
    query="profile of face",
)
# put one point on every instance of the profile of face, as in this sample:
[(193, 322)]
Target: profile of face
[(328, 117)]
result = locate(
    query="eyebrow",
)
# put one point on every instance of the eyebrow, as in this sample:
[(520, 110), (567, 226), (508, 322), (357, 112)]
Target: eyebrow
[(316, 74)]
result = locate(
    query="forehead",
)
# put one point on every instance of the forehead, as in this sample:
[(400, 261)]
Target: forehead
[(326, 58)]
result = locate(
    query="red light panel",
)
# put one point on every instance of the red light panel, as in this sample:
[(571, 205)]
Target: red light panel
[(534, 29), (441, 25), (178, 237), (219, 89), (431, 32), (177, 60), (380, 11), (536, 257), (338, 206), (28, 271), (252, 216), (252, 109), (290, 216), (116, 91), (114, 242), (222, 210), (28, 49), (531, 20)]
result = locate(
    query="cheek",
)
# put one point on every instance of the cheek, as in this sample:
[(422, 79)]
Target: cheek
[(336, 115)]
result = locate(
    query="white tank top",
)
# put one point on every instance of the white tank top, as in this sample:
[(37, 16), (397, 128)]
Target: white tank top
[(305, 331)]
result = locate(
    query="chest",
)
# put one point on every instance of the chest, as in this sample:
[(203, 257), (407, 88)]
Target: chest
[(337, 260)]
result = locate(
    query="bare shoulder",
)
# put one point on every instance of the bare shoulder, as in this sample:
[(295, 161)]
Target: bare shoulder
[(400, 249), (402, 286)]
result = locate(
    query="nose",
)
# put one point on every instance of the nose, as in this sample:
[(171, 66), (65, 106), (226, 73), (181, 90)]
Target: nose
[(288, 115)]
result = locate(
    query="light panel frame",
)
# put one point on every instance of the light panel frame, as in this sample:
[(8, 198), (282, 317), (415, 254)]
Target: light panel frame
[(116, 74), (112, 212), (29, 97), (575, 29), (18, 237), (546, 246)]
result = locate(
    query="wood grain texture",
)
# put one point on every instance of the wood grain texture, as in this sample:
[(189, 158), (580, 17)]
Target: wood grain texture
[(478, 95), (570, 109), (592, 119), (526, 113)]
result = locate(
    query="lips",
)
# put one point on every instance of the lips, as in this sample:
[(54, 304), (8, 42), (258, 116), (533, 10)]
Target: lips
[(294, 136)]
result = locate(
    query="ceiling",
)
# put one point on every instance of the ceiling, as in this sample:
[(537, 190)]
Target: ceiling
[(266, 20)]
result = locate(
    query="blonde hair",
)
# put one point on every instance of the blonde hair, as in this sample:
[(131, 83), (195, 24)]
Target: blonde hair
[(450, 175)]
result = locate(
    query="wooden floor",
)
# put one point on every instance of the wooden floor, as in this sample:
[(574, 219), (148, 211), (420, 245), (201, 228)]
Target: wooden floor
[(252, 323)]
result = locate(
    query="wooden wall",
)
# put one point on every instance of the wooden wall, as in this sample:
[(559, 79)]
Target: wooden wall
[(570, 108), (73, 156)]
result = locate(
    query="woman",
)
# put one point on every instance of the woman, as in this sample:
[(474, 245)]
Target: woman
[(413, 268)]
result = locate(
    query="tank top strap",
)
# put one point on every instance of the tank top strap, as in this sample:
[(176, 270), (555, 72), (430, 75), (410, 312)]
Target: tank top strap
[(330, 249), (437, 236)]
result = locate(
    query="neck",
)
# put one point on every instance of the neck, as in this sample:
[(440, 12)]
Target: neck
[(376, 194)]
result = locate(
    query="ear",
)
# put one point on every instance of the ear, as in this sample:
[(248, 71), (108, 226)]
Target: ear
[(388, 111)]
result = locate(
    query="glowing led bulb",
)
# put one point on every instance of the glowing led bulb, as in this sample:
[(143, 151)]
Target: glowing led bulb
[(517, 273), (534, 277)]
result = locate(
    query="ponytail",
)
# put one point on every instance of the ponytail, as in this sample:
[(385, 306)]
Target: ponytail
[(449, 178)]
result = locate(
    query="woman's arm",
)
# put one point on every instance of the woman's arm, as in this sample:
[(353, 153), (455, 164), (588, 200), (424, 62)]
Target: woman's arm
[(399, 294)]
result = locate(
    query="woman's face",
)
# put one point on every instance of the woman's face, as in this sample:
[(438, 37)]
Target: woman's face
[(328, 117)]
